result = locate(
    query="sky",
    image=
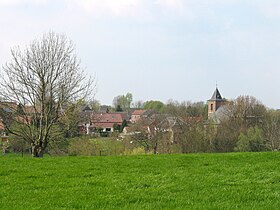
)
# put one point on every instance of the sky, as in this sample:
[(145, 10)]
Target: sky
[(160, 49)]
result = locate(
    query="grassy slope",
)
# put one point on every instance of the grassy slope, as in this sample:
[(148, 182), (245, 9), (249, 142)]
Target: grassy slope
[(198, 181)]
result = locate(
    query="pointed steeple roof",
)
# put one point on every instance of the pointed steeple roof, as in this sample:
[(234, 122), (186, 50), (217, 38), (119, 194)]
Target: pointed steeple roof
[(216, 96)]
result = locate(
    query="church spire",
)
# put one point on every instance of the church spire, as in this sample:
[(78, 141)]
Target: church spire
[(216, 96), (215, 102)]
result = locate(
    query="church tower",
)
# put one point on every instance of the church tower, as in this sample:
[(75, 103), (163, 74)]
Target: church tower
[(215, 102)]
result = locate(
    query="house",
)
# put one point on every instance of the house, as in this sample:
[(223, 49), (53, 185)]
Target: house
[(103, 121), (85, 118), (106, 122), (136, 115), (140, 114)]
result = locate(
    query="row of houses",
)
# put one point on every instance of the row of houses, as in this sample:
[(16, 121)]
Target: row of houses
[(89, 120), (105, 121)]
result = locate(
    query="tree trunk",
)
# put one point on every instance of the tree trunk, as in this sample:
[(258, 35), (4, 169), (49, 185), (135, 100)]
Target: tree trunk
[(37, 151), (155, 148)]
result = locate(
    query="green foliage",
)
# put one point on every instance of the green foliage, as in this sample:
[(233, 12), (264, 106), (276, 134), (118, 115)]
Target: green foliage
[(84, 147), (58, 146), (5, 146), (94, 147), (186, 109), (18, 145), (271, 128), (95, 105), (243, 144), (71, 118), (123, 102), (117, 127), (119, 108), (196, 181), (251, 141), (135, 151), (191, 139), (196, 109), (154, 105), (56, 140), (124, 124), (104, 134), (224, 136)]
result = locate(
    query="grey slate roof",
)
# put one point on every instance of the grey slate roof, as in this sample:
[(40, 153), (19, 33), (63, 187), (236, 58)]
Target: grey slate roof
[(216, 96), (221, 113)]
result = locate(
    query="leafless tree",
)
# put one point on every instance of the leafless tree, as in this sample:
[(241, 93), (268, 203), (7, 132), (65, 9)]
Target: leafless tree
[(237, 117), (35, 86), (245, 112), (271, 130), (138, 104)]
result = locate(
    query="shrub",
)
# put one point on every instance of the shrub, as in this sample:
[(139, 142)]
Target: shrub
[(95, 147), (18, 145), (135, 151), (251, 141), (79, 146)]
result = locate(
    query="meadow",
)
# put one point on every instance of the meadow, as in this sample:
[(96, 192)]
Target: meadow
[(193, 181)]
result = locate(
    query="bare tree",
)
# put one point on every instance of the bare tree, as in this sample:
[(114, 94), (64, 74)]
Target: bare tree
[(237, 117), (271, 130), (138, 104), (245, 112), (35, 86)]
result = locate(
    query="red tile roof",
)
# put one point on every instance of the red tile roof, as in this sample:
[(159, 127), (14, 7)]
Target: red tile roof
[(107, 117), (104, 120), (138, 112)]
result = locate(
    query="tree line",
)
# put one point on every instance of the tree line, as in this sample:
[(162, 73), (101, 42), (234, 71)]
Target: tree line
[(43, 87), (245, 124)]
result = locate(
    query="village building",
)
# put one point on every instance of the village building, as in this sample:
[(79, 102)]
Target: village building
[(136, 115), (216, 107), (141, 114), (106, 122), (85, 117)]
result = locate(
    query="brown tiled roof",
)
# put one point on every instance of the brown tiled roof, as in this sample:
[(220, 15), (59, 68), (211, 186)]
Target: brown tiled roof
[(104, 125), (124, 115), (138, 112), (107, 118)]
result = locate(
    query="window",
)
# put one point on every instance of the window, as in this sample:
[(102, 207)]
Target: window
[(211, 107)]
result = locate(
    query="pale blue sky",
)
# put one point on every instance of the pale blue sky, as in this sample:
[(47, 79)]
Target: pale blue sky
[(160, 49)]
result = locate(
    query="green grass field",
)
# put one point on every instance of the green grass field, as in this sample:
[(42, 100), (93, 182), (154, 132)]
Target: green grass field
[(196, 181)]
